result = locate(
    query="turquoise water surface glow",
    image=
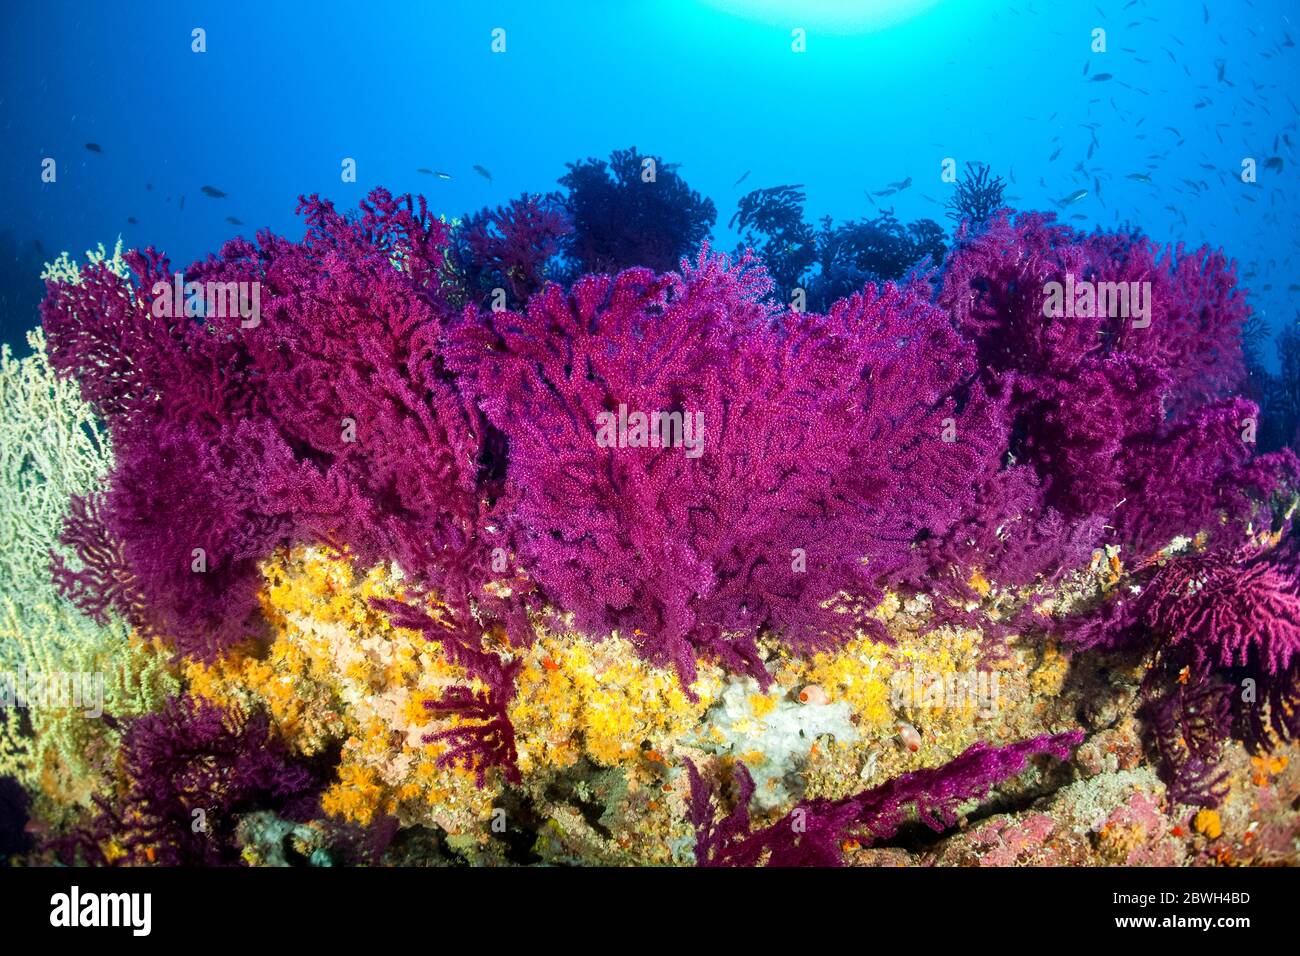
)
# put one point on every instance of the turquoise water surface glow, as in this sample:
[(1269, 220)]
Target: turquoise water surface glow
[(834, 16)]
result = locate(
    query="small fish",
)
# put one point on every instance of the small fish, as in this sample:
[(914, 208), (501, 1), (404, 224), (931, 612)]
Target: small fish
[(1078, 215), (1101, 77), (483, 172), (1073, 198), (1139, 177), (94, 147), (1273, 162), (1052, 158), (1293, 287), (426, 170), (148, 187), (132, 220), (900, 186), (233, 221), (213, 191), (741, 179), (182, 206), (442, 175)]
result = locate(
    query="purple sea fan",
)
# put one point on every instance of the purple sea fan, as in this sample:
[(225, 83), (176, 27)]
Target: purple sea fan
[(482, 735), (823, 458), (326, 417), (174, 543), (1106, 403), (352, 346), (192, 769), (1271, 715), (135, 367), (811, 834), (997, 284), (98, 580), (510, 247), (1198, 474), (1229, 607), (1189, 727)]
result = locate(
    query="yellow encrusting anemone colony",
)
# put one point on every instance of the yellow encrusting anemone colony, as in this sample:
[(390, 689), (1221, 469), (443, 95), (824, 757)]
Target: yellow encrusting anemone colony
[(338, 673)]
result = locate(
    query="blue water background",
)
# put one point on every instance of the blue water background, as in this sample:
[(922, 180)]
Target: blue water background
[(287, 90)]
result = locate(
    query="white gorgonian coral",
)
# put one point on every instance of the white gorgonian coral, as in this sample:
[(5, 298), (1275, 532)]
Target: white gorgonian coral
[(51, 448), (65, 268)]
